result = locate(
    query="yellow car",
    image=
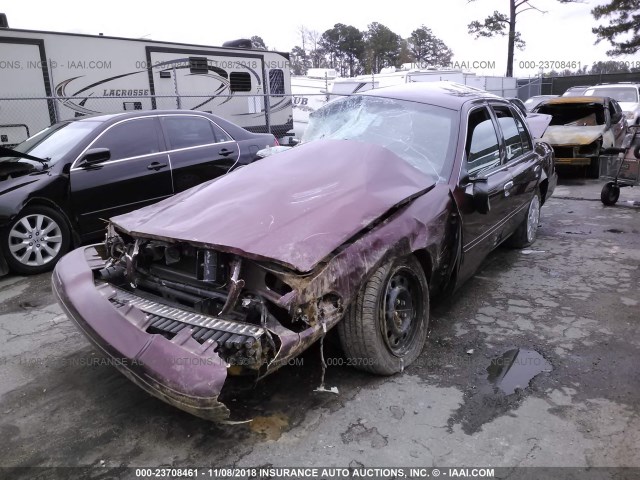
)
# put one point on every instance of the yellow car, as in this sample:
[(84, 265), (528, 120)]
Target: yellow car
[(581, 127)]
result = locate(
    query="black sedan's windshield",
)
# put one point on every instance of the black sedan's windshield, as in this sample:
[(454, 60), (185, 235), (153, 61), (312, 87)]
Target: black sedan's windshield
[(423, 135), (52, 143)]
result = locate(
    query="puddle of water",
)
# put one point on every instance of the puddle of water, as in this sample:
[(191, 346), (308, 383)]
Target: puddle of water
[(271, 426), (515, 369)]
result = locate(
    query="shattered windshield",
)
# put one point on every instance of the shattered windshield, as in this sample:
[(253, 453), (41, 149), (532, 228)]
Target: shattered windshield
[(423, 135), (575, 114)]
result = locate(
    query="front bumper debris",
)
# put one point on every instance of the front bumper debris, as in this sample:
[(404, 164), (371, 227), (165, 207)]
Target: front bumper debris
[(180, 371)]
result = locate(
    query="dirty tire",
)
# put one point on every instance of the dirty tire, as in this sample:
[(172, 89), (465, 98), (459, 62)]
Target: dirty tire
[(527, 232), (35, 240), (610, 194), (593, 170), (373, 334)]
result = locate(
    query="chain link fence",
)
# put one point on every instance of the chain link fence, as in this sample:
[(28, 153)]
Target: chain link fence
[(20, 118), (531, 86)]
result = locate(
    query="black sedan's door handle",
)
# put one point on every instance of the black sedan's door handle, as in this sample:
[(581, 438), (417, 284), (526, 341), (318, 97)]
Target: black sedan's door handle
[(156, 166), (225, 153)]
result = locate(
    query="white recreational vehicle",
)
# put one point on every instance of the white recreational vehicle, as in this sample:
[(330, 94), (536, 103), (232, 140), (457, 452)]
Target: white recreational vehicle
[(501, 86), (310, 92), (46, 77)]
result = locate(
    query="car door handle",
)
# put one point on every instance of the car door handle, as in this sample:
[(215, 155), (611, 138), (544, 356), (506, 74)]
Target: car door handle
[(225, 153), (156, 166), (507, 188)]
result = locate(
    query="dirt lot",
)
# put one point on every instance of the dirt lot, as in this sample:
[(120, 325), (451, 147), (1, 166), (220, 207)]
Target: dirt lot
[(573, 298)]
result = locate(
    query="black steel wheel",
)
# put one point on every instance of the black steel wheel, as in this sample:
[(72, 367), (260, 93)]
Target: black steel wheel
[(386, 328)]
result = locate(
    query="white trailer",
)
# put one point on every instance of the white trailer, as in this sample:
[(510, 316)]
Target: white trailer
[(310, 92), (47, 77)]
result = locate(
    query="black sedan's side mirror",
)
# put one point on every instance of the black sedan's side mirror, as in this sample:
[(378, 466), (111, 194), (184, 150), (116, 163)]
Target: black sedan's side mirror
[(480, 194), (95, 156)]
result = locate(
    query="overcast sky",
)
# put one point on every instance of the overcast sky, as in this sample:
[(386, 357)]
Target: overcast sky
[(561, 34)]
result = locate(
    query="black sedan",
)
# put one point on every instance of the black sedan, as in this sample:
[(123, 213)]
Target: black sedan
[(58, 187)]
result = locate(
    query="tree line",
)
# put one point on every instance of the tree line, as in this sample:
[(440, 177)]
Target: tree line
[(354, 52)]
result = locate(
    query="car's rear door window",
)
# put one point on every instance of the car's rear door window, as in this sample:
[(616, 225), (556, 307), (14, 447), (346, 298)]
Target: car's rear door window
[(132, 138), (184, 131), (510, 132), (482, 147)]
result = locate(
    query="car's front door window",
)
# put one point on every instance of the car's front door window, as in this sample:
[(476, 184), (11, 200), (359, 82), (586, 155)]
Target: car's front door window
[(482, 148), (132, 138)]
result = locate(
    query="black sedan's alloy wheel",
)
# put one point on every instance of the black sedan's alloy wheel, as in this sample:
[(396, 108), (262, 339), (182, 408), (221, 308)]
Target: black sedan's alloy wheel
[(35, 240), (385, 329)]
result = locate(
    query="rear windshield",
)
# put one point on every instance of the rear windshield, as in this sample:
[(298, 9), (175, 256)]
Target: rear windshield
[(575, 114)]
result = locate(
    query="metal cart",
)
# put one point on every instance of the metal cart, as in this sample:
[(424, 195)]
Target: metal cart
[(621, 166)]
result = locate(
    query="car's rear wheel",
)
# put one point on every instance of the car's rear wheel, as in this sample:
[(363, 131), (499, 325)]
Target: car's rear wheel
[(527, 231), (610, 194), (385, 329), (35, 240)]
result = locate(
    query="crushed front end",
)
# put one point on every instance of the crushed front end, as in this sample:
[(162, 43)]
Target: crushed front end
[(178, 319)]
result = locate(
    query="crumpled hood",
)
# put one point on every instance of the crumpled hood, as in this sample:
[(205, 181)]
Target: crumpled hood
[(573, 135), (538, 123), (295, 207), (14, 175), (11, 169)]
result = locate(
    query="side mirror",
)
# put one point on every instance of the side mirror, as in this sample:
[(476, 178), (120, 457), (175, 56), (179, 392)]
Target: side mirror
[(480, 194), (616, 118), (95, 156)]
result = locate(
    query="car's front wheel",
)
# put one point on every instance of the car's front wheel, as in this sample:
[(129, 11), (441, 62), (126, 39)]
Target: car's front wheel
[(35, 240), (527, 231), (385, 329)]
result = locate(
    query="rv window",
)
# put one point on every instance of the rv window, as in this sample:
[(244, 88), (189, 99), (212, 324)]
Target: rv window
[(276, 82), (132, 105), (240, 82), (130, 139), (198, 65), (183, 131)]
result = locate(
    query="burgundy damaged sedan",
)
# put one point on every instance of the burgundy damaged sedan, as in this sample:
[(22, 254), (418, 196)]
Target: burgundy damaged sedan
[(394, 196)]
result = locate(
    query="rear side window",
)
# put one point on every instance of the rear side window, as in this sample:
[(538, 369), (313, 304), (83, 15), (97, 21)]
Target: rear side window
[(482, 142), (131, 139), (510, 132), (184, 131)]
